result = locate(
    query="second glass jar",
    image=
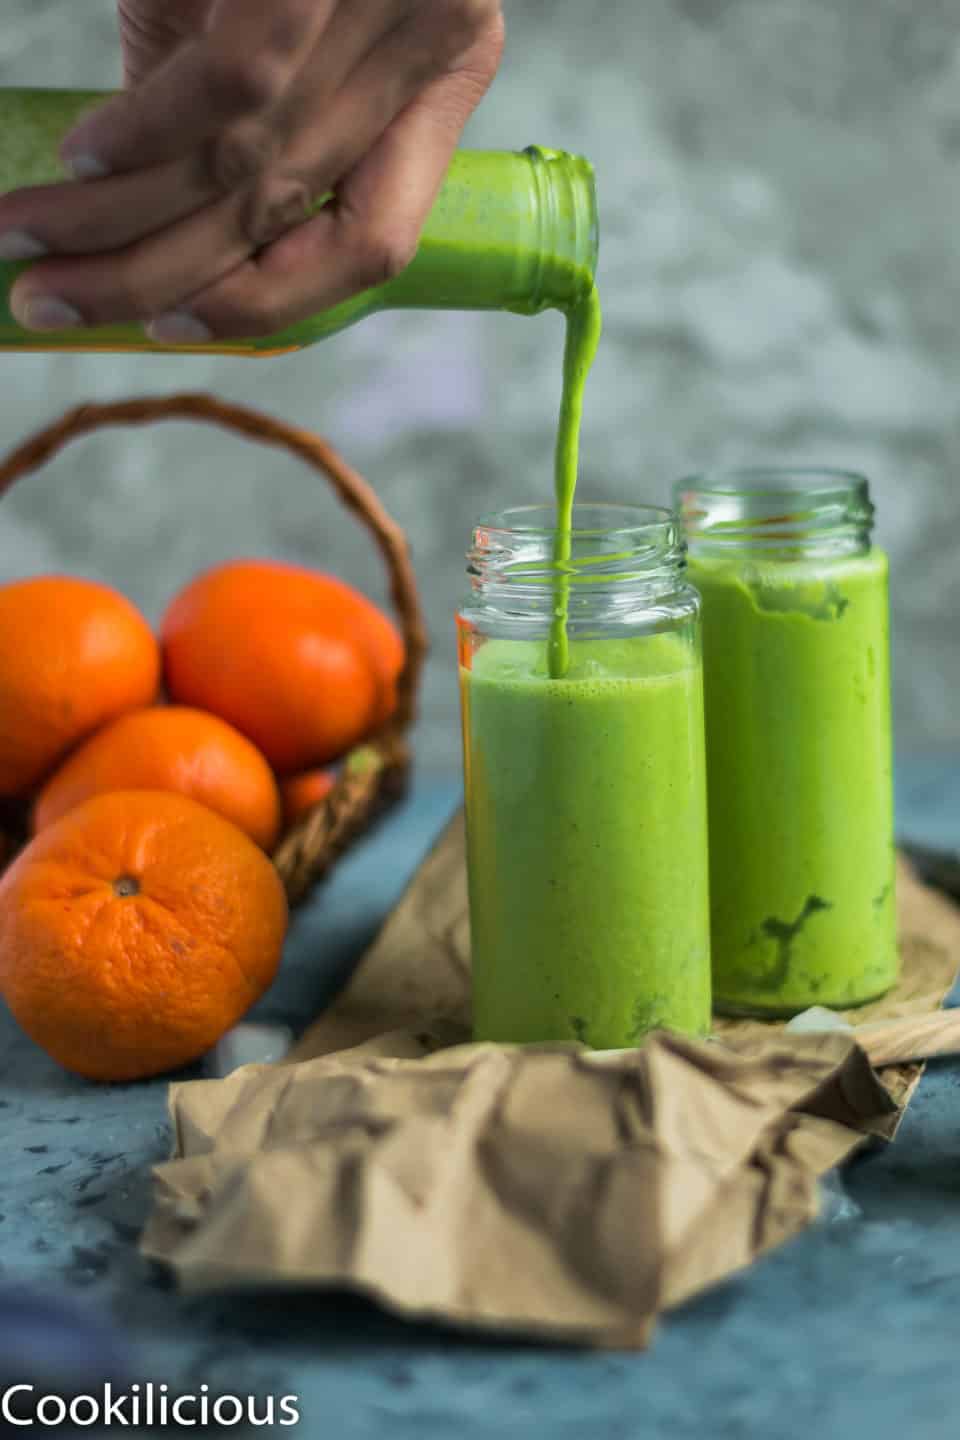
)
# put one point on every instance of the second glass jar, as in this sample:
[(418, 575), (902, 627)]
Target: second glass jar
[(585, 794), (797, 681)]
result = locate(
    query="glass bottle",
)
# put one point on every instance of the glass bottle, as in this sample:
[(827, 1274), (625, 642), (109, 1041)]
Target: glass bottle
[(585, 794), (797, 688), (509, 231)]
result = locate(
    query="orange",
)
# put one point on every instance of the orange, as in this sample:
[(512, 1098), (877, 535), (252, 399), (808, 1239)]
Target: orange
[(135, 931), (301, 663), (171, 748), (303, 793), (73, 655)]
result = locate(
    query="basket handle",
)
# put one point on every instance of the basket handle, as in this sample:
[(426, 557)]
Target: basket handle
[(350, 487)]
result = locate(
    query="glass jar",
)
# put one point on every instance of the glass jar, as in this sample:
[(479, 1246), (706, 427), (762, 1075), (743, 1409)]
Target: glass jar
[(585, 794), (797, 688), (509, 230)]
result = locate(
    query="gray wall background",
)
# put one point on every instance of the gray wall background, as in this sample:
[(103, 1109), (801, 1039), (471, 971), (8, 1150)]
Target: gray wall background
[(780, 192)]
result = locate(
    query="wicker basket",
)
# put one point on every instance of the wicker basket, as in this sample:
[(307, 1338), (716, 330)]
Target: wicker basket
[(374, 775)]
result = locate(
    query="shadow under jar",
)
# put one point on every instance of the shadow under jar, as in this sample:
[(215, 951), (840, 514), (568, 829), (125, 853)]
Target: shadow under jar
[(585, 793), (797, 690)]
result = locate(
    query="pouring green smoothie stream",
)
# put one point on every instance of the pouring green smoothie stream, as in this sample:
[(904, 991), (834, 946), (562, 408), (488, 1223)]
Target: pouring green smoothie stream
[(583, 326)]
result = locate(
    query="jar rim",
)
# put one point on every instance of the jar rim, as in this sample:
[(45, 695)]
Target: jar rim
[(612, 547), (796, 511), (818, 482), (606, 518)]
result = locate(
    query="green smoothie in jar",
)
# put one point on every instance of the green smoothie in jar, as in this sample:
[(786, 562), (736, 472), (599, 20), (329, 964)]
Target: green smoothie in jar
[(585, 791), (797, 694)]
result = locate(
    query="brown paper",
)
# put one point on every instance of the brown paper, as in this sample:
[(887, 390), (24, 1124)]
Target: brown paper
[(547, 1190)]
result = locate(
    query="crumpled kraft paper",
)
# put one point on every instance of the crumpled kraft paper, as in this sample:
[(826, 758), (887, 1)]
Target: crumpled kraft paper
[(544, 1191)]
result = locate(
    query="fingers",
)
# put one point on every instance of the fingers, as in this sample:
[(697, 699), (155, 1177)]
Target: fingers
[(174, 231), (241, 66), (328, 140), (135, 283), (122, 209), (107, 214), (159, 272), (366, 238)]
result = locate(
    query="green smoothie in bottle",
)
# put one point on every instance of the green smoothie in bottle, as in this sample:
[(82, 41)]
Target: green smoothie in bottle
[(509, 231), (797, 688)]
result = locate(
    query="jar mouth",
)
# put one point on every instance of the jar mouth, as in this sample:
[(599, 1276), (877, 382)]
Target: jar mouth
[(592, 518), (808, 510), (813, 482), (609, 544)]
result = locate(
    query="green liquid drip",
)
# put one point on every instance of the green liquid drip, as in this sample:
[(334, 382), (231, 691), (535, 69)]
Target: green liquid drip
[(583, 336)]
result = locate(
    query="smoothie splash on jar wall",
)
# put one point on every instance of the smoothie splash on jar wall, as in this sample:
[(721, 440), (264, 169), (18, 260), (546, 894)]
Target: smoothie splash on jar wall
[(799, 754)]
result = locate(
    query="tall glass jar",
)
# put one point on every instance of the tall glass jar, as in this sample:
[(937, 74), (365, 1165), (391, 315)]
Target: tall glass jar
[(585, 794), (797, 685), (509, 230)]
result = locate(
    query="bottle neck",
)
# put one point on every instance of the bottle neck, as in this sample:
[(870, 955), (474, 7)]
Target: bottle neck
[(776, 514), (513, 231), (624, 561), (569, 228)]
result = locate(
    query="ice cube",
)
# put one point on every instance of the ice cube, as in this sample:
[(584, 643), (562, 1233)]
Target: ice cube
[(816, 1020), (249, 1045)]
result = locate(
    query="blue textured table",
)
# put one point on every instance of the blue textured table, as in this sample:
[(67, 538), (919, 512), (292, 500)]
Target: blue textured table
[(850, 1330)]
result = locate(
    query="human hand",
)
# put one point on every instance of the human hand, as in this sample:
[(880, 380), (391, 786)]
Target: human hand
[(190, 210)]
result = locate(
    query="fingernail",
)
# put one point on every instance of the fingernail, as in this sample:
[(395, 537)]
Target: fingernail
[(84, 165), (47, 312), (179, 327), (19, 245)]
